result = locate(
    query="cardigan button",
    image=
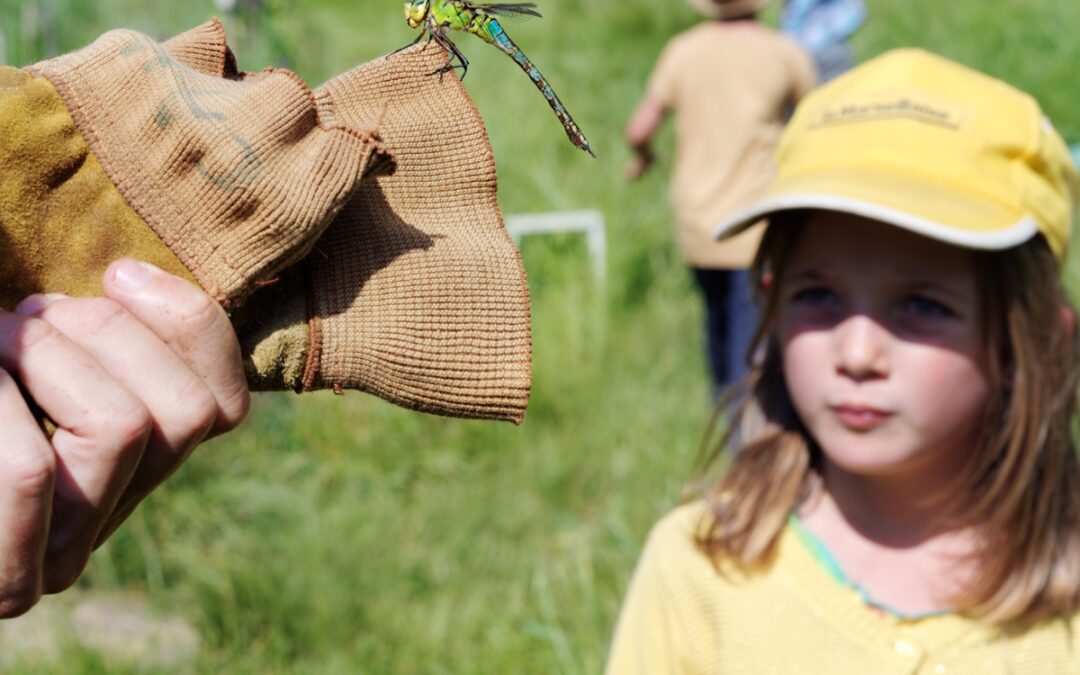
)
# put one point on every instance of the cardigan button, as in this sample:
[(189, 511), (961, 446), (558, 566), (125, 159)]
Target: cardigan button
[(906, 648)]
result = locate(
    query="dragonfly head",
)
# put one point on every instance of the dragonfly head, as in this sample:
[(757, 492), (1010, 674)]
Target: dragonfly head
[(415, 12)]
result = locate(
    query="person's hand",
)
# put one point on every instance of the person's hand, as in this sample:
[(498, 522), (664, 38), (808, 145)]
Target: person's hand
[(133, 382), (640, 129), (638, 166)]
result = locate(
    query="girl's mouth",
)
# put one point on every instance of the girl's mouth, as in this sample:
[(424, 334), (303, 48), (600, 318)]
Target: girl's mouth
[(860, 417)]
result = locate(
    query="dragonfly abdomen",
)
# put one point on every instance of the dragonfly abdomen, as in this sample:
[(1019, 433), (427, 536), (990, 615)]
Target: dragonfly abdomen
[(492, 32), (437, 17)]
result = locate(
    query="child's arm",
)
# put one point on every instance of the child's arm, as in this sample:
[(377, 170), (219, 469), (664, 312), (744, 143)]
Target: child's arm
[(643, 124), (666, 623)]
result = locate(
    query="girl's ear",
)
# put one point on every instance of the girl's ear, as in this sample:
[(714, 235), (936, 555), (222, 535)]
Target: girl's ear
[(1068, 319), (766, 282)]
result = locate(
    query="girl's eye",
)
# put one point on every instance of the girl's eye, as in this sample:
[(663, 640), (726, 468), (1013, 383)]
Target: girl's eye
[(815, 296), (920, 305)]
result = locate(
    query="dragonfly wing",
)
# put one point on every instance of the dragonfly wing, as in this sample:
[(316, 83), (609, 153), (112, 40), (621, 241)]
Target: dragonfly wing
[(514, 11)]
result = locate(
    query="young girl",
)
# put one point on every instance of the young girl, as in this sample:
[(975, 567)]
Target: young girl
[(905, 494)]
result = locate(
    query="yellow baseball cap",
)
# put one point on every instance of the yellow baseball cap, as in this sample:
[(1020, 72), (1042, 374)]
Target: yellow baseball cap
[(918, 141)]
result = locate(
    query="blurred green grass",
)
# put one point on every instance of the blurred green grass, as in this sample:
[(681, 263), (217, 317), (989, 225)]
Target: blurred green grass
[(340, 534)]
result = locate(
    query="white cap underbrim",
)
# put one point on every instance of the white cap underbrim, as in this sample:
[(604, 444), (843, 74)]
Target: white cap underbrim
[(1000, 238)]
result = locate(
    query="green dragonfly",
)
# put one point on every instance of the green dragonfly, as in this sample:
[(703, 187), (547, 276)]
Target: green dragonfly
[(437, 17)]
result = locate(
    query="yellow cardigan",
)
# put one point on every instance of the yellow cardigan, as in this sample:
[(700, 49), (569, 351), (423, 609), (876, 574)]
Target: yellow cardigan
[(681, 617)]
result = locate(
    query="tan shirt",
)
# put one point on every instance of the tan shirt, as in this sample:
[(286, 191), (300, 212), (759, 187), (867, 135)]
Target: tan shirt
[(729, 85)]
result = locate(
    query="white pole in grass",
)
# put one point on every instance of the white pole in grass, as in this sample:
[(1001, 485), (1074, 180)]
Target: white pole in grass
[(1076, 154), (591, 223)]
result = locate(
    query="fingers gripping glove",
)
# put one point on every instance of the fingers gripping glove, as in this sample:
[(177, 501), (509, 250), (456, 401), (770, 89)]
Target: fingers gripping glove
[(415, 292), (120, 147)]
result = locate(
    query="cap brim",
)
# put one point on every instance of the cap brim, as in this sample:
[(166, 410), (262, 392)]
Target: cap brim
[(923, 207)]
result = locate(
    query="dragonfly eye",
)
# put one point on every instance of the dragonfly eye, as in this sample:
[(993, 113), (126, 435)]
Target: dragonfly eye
[(415, 10)]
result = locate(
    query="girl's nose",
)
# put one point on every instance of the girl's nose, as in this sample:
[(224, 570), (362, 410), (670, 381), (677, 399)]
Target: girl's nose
[(862, 348)]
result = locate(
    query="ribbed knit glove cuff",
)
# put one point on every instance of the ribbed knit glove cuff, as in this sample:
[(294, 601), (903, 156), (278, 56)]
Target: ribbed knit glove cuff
[(415, 292)]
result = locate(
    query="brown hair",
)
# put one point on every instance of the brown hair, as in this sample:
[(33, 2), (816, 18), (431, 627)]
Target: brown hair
[(1022, 488)]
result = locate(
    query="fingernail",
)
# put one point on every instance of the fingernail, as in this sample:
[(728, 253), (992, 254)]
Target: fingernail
[(32, 304), (133, 274)]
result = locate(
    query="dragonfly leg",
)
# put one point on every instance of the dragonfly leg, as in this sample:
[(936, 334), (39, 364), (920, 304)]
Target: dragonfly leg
[(400, 49), (438, 34)]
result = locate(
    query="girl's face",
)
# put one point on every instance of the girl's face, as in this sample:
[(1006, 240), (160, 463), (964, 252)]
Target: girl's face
[(883, 345)]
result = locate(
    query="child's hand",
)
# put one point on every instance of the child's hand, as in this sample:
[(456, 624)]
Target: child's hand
[(638, 166), (643, 124), (133, 382)]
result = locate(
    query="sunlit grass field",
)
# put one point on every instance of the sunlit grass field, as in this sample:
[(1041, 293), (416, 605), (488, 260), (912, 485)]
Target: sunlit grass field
[(342, 535)]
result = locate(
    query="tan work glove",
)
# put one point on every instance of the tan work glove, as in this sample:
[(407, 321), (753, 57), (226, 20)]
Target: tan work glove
[(415, 293)]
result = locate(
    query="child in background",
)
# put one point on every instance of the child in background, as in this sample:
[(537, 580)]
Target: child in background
[(824, 27), (906, 494), (730, 82)]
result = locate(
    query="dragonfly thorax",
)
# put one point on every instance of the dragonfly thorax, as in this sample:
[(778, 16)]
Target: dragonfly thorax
[(416, 11)]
